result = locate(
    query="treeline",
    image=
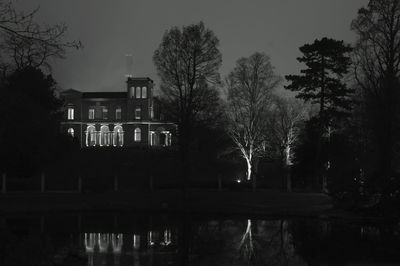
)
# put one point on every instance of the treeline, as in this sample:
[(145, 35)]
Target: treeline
[(338, 133)]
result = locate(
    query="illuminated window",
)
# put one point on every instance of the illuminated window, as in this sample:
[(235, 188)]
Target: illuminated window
[(91, 113), (118, 136), (138, 113), (105, 136), (91, 136), (152, 138), (70, 113), (71, 132), (168, 139), (138, 134), (118, 112), (105, 113), (144, 92), (138, 92)]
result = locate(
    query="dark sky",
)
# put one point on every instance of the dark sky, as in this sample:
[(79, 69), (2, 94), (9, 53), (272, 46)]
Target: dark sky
[(110, 29)]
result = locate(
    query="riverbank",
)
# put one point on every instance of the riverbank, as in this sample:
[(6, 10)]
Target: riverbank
[(262, 202)]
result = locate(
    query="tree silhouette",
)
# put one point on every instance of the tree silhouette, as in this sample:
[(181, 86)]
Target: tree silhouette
[(322, 83), (377, 71), (26, 43), (30, 112), (187, 61)]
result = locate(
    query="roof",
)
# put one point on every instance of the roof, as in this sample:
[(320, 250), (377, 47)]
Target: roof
[(140, 78), (69, 91), (104, 94)]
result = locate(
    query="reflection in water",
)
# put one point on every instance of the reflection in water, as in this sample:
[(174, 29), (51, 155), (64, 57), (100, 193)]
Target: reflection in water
[(207, 242), (246, 244)]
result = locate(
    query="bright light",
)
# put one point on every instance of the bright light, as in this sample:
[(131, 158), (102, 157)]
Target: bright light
[(238, 180)]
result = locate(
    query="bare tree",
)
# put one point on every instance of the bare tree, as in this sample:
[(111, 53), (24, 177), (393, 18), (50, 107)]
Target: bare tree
[(284, 124), (377, 71), (249, 88), (27, 43), (187, 61)]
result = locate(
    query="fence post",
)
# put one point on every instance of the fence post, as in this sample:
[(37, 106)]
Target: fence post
[(42, 182), (115, 183), (4, 183), (80, 184), (219, 183)]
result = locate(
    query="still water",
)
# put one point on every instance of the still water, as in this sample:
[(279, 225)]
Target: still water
[(148, 239)]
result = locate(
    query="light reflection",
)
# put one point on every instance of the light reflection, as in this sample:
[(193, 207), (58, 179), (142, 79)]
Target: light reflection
[(116, 242), (90, 242), (150, 239), (103, 242), (136, 242), (167, 238)]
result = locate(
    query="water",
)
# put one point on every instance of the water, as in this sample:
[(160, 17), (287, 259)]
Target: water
[(148, 239)]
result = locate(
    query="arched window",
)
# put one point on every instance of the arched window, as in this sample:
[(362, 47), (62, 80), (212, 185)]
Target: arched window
[(104, 136), (144, 92), (138, 134), (90, 136), (118, 136), (137, 92), (71, 132)]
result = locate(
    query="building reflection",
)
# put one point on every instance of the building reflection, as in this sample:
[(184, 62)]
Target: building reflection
[(137, 240), (140, 246)]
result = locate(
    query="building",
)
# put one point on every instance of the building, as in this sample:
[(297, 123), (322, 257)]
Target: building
[(117, 119)]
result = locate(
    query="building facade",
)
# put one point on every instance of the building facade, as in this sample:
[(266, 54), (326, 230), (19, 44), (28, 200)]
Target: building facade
[(117, 119)]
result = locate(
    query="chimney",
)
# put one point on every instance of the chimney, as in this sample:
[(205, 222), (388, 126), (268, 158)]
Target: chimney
[(129, 66)]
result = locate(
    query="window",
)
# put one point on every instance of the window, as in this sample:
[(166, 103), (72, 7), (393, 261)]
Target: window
[(137, 113), (70, 113), (118, 136), (118, 112), (152, 138), (71, 132), (144, 92), (90, 136), (138, 134), (138, 92), (104, 136), (132, 92), (105, 113), (151, 112), (91, 113), (167, 139)]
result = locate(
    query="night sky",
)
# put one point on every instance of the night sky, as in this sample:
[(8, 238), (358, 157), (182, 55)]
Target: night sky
[(111, 29)]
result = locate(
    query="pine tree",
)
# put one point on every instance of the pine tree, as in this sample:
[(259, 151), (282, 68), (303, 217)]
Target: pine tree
[(321, 83)]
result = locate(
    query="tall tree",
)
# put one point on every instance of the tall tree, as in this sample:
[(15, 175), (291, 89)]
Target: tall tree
[(249, 87), (377, 70), (188, 60), (322, 83)]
